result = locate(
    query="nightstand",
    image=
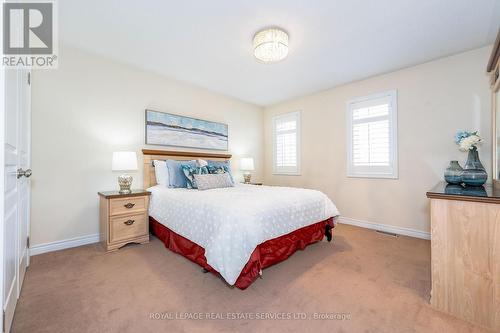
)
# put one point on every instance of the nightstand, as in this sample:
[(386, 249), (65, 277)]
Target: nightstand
[(124, 218), (252, 183)]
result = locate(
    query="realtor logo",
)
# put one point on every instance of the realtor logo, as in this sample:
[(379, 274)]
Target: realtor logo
[(29, 34)]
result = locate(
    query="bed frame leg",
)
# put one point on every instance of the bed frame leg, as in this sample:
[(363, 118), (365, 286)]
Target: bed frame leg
[(328, 232)]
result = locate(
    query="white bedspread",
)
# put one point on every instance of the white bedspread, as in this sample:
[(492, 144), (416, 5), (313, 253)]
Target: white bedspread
[(229, 223)]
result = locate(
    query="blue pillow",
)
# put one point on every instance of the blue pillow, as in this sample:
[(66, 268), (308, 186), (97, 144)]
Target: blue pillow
[(215, 167), (189, 172), (175, 174)]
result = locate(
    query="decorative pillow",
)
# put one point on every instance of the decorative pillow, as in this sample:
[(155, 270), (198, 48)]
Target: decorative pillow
[(201, 163), (216, 167), (211, 181), (161, 173), (190, 171), (175, 174)]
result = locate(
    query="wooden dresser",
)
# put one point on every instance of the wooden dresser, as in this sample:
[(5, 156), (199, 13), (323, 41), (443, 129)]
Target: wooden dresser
[(465, 251), (124, 218)]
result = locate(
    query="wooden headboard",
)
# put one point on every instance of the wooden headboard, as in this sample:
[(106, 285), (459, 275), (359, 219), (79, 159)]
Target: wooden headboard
[(151, 155)]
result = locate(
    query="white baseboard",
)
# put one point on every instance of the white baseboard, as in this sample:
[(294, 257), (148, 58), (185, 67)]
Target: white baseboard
[(63, 244), (386, 228)]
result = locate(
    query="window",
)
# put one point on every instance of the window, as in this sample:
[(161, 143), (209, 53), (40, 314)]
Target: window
[(286, 144), (372, 136)]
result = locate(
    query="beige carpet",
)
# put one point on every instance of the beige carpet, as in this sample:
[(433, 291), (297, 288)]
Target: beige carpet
[(362, 282)]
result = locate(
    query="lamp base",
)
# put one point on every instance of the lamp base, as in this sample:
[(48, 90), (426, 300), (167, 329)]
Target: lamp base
[(125, 181), (247, 176)]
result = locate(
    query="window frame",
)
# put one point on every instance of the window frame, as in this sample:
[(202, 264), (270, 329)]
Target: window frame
[(279, 171), (374, 171)]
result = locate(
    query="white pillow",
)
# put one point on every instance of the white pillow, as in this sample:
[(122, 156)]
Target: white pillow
[(161, 173)]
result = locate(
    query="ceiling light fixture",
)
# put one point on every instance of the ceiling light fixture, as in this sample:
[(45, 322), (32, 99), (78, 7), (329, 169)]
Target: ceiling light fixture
[(270, 45)]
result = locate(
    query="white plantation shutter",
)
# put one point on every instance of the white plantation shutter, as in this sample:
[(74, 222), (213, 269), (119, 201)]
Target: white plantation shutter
[(372, 122), (286, 142)]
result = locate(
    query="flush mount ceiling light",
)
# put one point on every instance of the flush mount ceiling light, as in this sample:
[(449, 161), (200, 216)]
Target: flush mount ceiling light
[(270, 45)]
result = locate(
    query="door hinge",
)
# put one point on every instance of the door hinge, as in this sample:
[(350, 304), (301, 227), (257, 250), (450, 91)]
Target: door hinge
[(28, 242), (29, 79), (3, 321)]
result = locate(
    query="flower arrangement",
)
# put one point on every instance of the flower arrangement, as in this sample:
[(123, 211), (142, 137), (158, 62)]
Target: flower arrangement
[(467, 140)]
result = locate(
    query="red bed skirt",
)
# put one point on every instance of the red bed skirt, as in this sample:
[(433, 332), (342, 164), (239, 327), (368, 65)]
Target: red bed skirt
[(266, 254)]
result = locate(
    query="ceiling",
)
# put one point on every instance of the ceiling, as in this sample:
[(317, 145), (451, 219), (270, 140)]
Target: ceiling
[(209, 43)]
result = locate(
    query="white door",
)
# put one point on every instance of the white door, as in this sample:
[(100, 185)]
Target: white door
[(16, 187), (24, 172)]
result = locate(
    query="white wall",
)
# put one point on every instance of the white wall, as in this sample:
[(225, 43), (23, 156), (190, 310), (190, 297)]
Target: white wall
[(434, 101), (90, 107)]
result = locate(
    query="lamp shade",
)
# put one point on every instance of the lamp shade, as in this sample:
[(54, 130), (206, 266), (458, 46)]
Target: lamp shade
[(124, 161), (246, 164)]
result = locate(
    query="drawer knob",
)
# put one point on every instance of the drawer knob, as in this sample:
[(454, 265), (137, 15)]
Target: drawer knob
[(129, 222), (129, 205)]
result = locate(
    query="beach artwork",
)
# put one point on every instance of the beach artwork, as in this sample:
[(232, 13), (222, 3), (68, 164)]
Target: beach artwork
[(172, 130)]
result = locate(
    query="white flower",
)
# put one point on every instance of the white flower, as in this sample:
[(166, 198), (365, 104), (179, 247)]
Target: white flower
[(470, 142)]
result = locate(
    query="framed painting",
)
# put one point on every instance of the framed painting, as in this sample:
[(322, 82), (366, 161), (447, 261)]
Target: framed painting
[(168, 129)]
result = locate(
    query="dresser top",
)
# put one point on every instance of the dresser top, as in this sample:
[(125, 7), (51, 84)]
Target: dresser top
[(117, 194), (485, 193)]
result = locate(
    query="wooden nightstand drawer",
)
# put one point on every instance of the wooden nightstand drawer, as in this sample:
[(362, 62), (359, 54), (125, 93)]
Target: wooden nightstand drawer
[(126, 227), (127, 205)]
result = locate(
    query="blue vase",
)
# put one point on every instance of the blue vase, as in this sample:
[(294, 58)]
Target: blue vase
[(453, 173), (474, 173)]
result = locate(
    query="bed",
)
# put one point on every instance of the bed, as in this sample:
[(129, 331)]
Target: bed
[(235, 232)]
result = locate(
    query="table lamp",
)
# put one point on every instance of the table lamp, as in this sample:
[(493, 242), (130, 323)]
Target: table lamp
[(124, 161), (246, 164)]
